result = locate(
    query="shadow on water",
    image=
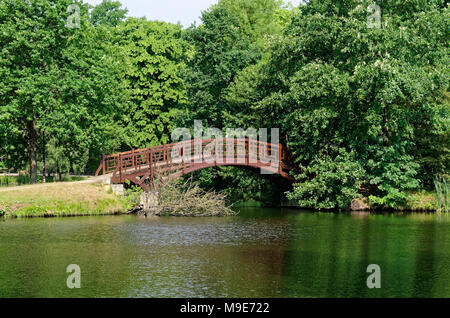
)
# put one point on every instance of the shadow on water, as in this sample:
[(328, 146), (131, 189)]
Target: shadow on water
[(260, 253)]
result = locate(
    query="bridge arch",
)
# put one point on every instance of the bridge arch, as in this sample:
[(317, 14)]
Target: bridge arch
[(142, 165)]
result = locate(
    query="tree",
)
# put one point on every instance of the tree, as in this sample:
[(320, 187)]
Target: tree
[(234, 36), (221, 51), (57, 162), (11, 144), (351, 100), (257, 19), (55, 78), (157, 56), (229, 44), (109, 13)]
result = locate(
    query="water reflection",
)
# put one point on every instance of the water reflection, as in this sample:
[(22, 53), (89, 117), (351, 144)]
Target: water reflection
[(262, 253)]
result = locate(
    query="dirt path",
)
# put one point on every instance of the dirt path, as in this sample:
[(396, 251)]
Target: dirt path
[(90, 180)]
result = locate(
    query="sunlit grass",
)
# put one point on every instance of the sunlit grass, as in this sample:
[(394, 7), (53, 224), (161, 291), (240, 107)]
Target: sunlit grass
[(63, 199), (422, 201)]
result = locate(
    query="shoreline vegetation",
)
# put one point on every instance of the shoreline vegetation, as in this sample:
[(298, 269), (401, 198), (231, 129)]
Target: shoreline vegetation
[(363, 107), (175, 199), (60, 199)]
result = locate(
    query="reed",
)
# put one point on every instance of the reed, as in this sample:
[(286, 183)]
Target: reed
[(5, 180), (442, 193)]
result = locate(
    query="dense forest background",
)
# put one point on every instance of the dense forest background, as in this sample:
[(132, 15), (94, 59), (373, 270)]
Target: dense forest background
[(364, 108)]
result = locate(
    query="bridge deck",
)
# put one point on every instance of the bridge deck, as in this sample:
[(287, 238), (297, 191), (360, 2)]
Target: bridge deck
[(141, 166)]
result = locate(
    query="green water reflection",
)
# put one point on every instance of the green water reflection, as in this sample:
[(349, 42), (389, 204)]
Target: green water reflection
[(261, 253)]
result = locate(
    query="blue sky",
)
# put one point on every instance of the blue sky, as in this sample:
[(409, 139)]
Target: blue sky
[(183, 11)]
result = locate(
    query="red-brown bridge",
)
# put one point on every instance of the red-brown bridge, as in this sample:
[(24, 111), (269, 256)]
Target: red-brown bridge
[(141, 166)]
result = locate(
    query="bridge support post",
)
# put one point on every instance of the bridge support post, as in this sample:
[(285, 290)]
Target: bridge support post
[(280, 149), (149, 202), (117, 189), (152, 171), (120, 169)]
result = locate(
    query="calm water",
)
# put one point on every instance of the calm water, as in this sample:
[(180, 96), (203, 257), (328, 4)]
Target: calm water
[(261, 253)]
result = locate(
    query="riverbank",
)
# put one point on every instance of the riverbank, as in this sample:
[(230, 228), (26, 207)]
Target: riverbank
[(90, 197), (93, 197), (421, 201), (61, 199)]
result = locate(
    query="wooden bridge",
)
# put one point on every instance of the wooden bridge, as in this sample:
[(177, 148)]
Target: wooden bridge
[(141, 166)]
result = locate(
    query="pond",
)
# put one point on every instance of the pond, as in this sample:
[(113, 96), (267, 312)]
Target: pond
[(260, 253)]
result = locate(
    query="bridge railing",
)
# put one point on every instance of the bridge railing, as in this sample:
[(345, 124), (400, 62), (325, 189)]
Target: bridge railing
[(109, 163), (195, 153)]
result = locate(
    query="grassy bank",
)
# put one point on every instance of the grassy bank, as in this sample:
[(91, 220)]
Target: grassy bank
[(61, 199), (84, 199), (422, 201)]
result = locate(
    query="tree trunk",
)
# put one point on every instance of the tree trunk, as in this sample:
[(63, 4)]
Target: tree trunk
[(58, 172), (32, 149)]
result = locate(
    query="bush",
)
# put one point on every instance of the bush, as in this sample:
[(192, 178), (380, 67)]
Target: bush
[(328, 183), (189, 199)]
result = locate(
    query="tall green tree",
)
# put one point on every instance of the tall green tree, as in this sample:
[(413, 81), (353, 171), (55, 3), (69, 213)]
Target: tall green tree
[(351, 99), (58, 75), (234, 35), (221, 50), (157, 56), (229, 43), (108, 12), (259, 20)]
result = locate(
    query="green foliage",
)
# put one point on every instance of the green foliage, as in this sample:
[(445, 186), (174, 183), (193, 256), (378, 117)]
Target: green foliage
[(229, 43), (221, 51), (329, 181), (61, 208), (157, 56), (422, 201), (364, 111), (242, 186), (58, 80), (433, 141), (57, 161), (5, 180), (21, 179), (132, 196), (354, 99), (109, 13), (257, 19)]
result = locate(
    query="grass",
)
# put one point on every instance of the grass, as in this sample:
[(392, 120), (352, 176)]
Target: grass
[(421, 201), (63, 199)]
